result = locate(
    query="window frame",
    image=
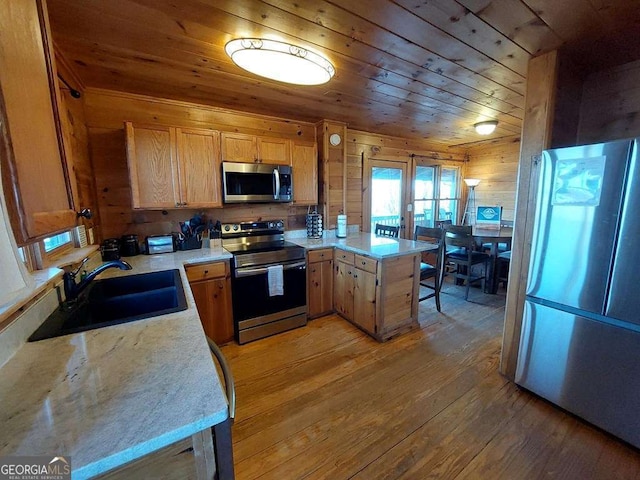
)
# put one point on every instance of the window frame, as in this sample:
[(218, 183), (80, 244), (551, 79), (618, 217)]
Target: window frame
[(43, 259), (437, 180)]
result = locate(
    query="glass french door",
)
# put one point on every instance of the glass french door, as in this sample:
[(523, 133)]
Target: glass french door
[(386, 201), (436, 194)]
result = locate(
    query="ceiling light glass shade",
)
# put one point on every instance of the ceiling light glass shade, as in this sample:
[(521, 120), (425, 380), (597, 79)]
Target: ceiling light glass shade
[(472, 182), (486, 128), (280, 61)]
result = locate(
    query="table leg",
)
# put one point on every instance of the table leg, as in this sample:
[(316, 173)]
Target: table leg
[(204, 455), (223, 450), (492, 273)]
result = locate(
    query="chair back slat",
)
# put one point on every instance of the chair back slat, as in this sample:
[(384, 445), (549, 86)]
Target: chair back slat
[(387, 230), (459, 236)]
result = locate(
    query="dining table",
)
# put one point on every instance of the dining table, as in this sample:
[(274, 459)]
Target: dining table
[(494, 236)]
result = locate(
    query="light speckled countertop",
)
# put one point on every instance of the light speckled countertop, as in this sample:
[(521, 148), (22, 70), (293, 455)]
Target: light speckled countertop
[(110, 395), (366, 244)]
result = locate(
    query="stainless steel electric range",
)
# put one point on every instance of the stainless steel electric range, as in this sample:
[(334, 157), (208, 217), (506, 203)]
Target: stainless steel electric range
[(263, 266)]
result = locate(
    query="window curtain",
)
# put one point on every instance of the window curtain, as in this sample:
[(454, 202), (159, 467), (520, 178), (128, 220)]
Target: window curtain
[(16, 281)]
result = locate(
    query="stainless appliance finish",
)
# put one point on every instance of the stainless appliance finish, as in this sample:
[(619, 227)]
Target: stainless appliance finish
[(256, 183), (256, 246), (580, 342)]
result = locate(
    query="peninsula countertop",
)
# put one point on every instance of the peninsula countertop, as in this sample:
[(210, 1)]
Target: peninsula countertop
[(366, 244), (107, 396)]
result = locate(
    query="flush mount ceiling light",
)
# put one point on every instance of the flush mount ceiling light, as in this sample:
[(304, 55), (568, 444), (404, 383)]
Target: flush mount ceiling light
[(280, 61), (486, 128)]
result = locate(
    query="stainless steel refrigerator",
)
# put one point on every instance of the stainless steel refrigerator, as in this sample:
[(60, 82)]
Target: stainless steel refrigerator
[(580, 342)]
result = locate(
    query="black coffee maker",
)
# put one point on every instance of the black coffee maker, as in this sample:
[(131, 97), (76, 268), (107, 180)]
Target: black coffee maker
[(110, 249), (129, 245)]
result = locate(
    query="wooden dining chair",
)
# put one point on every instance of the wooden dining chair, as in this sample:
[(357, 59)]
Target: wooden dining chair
[(442, 223), (459, 244), (433, 268), (387, 230)]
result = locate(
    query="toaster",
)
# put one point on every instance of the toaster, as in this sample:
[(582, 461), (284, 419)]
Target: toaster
[(160, 244)]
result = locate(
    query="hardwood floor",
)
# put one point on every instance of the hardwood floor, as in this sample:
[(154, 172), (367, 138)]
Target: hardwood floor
[(327, 401)]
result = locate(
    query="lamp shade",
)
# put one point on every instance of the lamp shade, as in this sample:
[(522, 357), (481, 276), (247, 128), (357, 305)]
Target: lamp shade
[(486, 128), (280, 61), (472, 182)]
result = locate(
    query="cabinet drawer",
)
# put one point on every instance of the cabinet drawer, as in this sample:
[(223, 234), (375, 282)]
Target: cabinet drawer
[(366, 263), (206, 271), (320, 255), (346, 257)]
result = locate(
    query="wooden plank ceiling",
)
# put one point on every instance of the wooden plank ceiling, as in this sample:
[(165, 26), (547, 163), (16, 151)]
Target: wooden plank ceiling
[(410, 68)]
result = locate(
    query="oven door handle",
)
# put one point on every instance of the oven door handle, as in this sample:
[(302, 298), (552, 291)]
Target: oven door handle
[(276, 179), (249, 272)]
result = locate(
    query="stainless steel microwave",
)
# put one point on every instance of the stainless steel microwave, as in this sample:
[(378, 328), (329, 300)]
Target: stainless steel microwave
[(256, 183)]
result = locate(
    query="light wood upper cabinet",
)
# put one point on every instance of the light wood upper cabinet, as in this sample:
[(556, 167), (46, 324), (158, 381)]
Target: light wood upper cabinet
[(199, 165), (274, 150), (37, 188), (153, 168), (173, 167), (237, 147), (304, 162), (242, 148)]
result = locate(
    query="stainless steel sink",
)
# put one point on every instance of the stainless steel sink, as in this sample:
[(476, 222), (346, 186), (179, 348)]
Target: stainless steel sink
[(117, 300)]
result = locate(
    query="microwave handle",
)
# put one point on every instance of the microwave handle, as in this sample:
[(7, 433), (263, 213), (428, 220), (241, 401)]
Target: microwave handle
[(276, 177)]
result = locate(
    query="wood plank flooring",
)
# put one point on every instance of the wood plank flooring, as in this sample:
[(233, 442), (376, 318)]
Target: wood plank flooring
[(328, 402)]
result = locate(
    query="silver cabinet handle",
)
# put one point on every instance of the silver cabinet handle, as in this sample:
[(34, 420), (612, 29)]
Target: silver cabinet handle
[(229, 384)]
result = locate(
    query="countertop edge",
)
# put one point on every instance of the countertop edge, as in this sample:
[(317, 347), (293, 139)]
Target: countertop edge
[(138, 451)]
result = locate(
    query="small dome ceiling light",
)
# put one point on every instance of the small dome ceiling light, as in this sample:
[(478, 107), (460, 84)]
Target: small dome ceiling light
[(486, 128), (280, 61)]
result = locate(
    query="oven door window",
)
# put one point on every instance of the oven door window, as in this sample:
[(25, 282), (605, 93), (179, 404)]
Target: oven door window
[(251, 294)]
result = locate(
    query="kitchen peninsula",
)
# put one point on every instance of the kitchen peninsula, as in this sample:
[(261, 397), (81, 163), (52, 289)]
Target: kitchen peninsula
[(374, 281)]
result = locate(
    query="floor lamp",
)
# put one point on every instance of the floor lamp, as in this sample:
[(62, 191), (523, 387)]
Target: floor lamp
[(469, 209)]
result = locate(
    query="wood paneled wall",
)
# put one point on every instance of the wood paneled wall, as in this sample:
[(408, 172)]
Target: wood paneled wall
[(106, 112), (496, 165), (610, 107)]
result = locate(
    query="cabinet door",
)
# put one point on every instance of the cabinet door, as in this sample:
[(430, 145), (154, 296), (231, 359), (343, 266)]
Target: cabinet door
[(274, 150), (40, 200), (320, 288), (153, 168), (364, 300), (237, 147), (304, 162), (213, 300), (199, 165), (343, 289)]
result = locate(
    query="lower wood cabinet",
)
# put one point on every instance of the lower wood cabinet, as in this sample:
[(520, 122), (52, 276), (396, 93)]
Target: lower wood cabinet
[(319, 282), (378, 296), (356, 289), (211, 287)]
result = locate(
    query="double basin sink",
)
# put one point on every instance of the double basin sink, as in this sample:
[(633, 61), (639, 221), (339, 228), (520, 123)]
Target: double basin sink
[(116, 300)]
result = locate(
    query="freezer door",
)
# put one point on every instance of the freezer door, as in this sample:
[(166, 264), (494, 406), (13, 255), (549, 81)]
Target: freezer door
[(624, 302), (579, 200), (585, 366)]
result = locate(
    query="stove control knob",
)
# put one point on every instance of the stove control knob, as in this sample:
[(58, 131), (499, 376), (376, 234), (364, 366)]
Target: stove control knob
[(279, 224), (226, 228), (271, 224), (236, 227)]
